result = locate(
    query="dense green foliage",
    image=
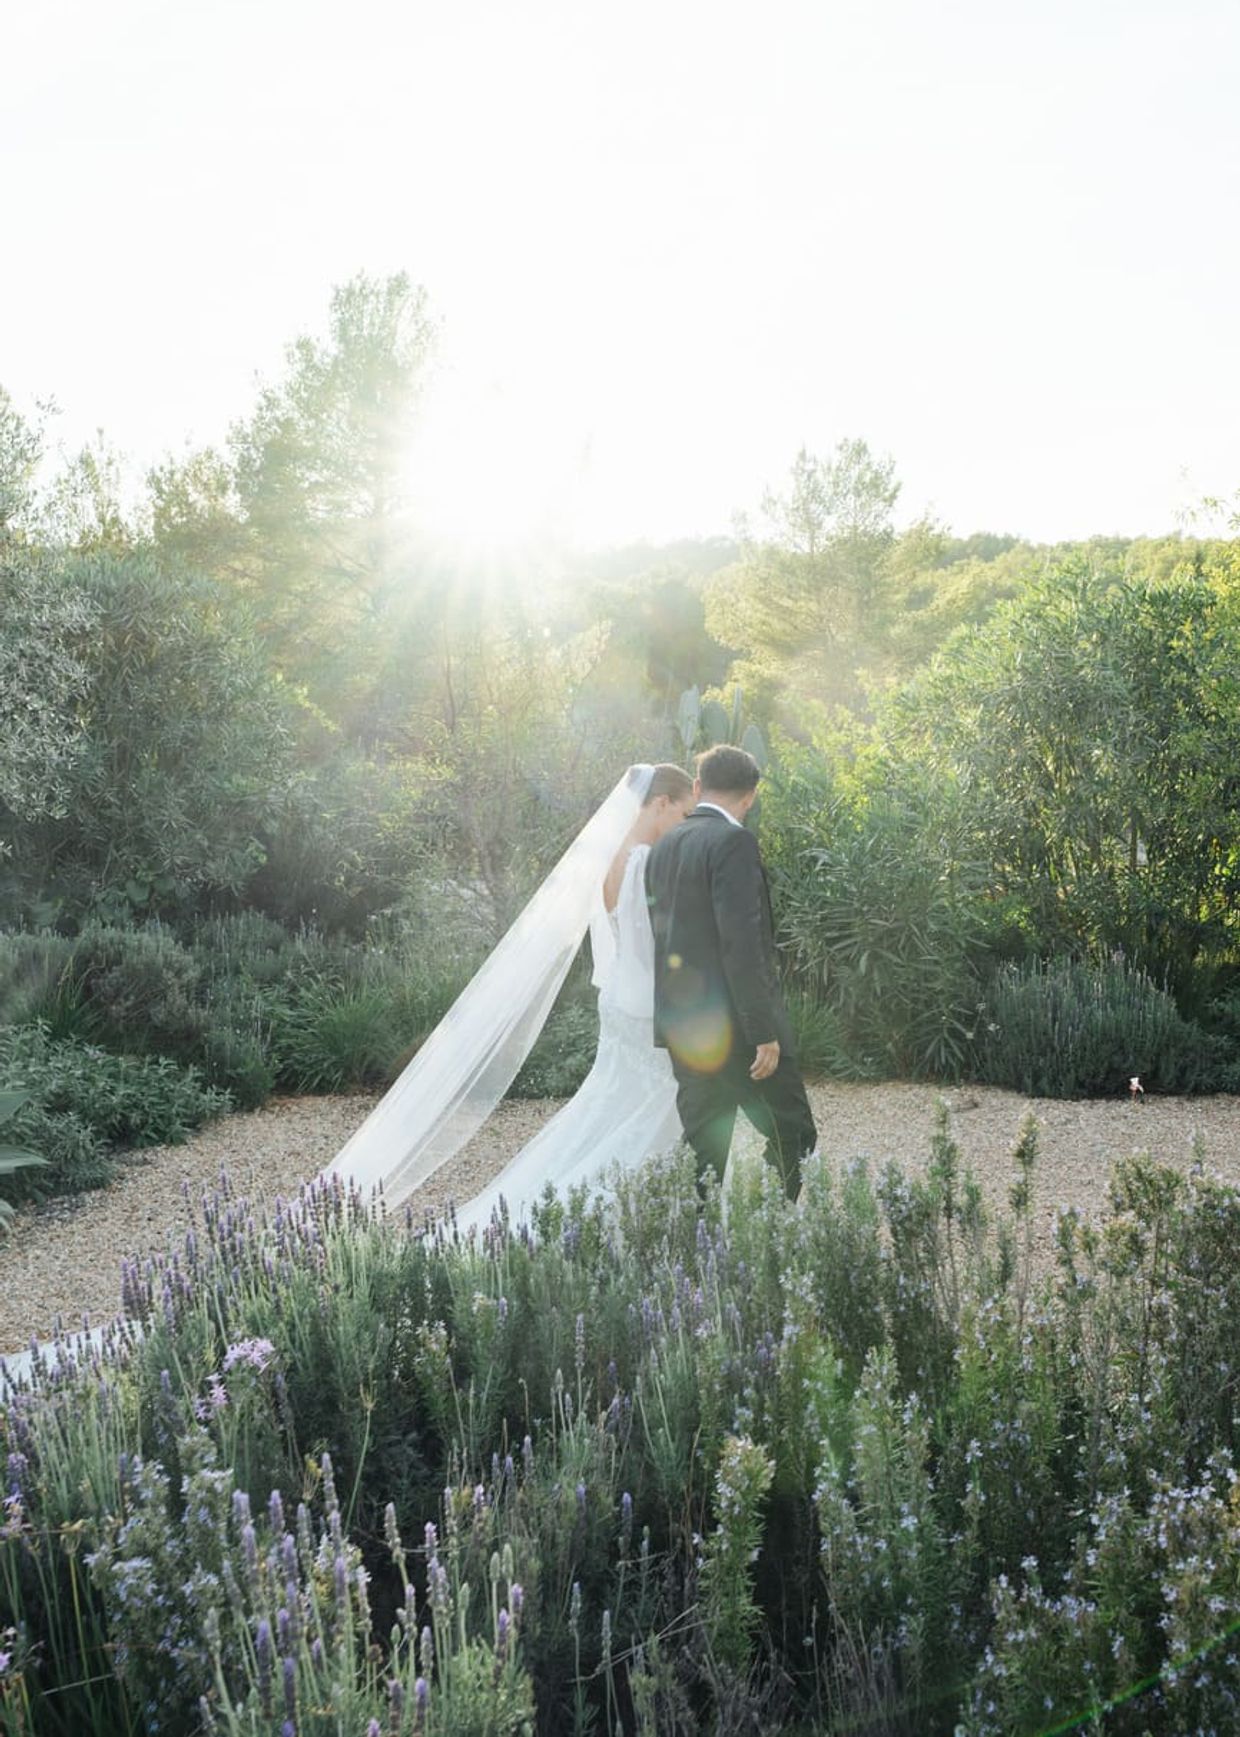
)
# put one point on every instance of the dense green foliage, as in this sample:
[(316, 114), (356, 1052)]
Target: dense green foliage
[(83, 1104), (850, 1468)]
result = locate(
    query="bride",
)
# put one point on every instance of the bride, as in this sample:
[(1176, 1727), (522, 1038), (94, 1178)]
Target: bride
[(625, 1111)]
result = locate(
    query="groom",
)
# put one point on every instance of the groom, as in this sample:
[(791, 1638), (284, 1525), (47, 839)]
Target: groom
[(717, 1004)]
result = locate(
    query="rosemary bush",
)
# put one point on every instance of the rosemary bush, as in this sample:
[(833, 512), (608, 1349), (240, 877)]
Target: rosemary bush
[(1069, 1028)]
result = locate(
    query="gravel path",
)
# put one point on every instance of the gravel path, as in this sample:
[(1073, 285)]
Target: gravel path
[(64, 1258)]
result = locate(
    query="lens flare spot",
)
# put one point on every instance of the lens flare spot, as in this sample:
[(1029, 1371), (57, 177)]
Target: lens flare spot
[(702, 1041)]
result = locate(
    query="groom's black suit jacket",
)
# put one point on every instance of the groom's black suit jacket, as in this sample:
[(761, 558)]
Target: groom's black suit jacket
[(716, 989)]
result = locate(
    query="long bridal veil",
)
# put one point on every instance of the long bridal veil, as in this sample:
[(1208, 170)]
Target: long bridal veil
[(475, 1052)]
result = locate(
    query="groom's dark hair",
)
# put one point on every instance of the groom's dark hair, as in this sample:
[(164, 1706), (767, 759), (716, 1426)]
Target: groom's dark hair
[(729, 771)]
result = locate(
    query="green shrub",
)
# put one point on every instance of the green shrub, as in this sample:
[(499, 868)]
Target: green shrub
[(823, 1047), (235, 1057), (139, 990), (329, 1037), (85, 1102), (332, 858), (1067, 1028), (76, 1156), (249, 947), (882, 932), (13, 1158), (355, 1020), (35, 983)]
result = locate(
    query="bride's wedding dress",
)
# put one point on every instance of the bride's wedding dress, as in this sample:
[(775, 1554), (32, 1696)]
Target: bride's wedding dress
[(625, 1110)]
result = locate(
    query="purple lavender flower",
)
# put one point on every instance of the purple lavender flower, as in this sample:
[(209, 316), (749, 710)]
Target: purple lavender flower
[(438, 1587), (262, 1648), (257, 1353), (275, 1512), (289, 1670), (516, 1598), (249, 1547), (501, 1638)]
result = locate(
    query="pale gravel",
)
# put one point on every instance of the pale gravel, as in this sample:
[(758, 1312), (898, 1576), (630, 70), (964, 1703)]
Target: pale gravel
[(64, 1258)]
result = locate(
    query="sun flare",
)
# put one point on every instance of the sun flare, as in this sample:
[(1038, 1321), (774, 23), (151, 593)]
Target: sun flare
[(492, 473)]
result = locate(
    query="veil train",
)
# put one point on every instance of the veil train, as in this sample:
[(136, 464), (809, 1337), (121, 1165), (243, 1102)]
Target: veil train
[(475, 1052)]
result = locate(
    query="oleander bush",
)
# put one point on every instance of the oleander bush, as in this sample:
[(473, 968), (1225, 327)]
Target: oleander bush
[(824, 1048), (1072, 1028), (645, 1467), (882, 927)]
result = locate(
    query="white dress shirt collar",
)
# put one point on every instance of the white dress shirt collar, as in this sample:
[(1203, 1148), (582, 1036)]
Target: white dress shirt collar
[(715, 808)]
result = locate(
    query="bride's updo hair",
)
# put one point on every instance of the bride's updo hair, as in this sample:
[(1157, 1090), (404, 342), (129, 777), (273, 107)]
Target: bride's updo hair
[(671, 781)]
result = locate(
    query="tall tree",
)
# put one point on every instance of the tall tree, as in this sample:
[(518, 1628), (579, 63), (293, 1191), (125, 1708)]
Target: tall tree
[(800, 604), (305, 512), (43, 678), (1092, 730), (21, 448), (179, 747)]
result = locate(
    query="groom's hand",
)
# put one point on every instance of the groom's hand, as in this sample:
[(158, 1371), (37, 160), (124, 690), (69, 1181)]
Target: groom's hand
[(765, 1061)]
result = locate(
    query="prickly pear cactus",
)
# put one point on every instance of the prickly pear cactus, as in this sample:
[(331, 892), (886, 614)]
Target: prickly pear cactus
[(707, 723)]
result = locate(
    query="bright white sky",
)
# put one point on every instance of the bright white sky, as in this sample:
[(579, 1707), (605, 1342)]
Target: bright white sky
[(669, 241)]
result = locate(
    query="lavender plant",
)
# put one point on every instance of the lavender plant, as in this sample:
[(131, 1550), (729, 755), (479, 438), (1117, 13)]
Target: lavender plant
[(852, 1466)]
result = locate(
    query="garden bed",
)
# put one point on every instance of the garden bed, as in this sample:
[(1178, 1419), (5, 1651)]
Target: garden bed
[(65, 1257)]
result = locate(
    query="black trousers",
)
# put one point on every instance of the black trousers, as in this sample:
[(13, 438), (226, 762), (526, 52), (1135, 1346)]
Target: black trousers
[(777, 1107)]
